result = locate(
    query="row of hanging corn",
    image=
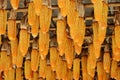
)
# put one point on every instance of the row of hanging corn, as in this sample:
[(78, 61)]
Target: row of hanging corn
[(17, 62)]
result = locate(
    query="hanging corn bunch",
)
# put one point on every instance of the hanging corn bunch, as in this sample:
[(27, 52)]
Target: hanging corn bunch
[(35, 76), (27, 69), (45, 18), (34, 60), (38, 6), (42, 68), (100, 70), (15, 3), (117, 36), (43, 44), (31, 13), (3, 21), (69, 52), (61, 35), (19, 74), (84, 67), (76, 69), (53, 57), (115, 50), (64, 70), (11, 74), (113, 73)]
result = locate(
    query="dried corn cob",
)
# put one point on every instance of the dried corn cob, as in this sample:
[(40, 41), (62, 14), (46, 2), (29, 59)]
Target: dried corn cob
[(53, 77), (35, 76), (27, 69), (45, 18), (34, 60), (70, 75), (84, 67), (31, 14), (105, 76), (69, 52), (76, 69), (53, 57), (3, 59), (118, 73), (113, 69), (100, 70), (38, 4), (15, 3), (64, 70), (106, 62), (43, 44), (19, 74), (48, 73), (77, 48), (3, 21), (117, 36), (11, 74), (42, 68), (23, 43)]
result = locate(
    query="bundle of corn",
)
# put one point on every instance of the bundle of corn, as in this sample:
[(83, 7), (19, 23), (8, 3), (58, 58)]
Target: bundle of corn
[(19, 74), (45, 18), (61, 35), (35, 27), (27, 69), (42, 68), (115, 50), (14, 49), (63, 5), (64, 70), (96, 43), (3, 21), (113, 73), (84, 67), (53, 57), (100, 70), (43, 44), (76, 69), (23, 42), (31, 13), (118, 73), (35, 76), (69, 52), (117, 36), (34, 59), (11, 74), (15, 3), (38, 6), (91, 61)]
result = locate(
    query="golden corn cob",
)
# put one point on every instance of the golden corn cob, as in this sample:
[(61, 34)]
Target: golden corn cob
[(84, 67), (12, 29), (77, 48), (113, 73), (64, 70), (35, 76), (15, 3), (27, 69), (70, 75), (42, 68), (23, 43), (31, 14), (53, 77), (106, 62), (3, 21), (105, 76), (76, 69), (19, 74), (53, 57), (38, 4), (43, 44), (69, 52), (3, 59), (11, 74), (118, 73), (48, 73), (45, 18), (117, 36), (34, 60), (100, 70)]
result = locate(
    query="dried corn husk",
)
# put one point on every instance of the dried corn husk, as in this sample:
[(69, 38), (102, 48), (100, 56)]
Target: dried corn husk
[(113, 73), (19, 74), (15, 3)]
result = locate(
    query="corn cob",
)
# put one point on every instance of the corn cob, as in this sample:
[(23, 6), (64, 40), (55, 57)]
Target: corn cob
[(53, 77), (11, 74), (45, 18), (53, 57), (69, 52), (100, 70), (118, 73), (3, 59), (77, 48), (15, 3), (42, 68), (70, 75), (23, 43), (84, 67), (76, 69), (64, 70), (19, 59), (34, 60), (38, 4), (31, 14), (48, 73), (105, 76), (27, 69), (19, 74), (3, 21), (35, 76), (117, 36), (35, 27), (43, 44), (106, 62), (89, 77), (113, 69)]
